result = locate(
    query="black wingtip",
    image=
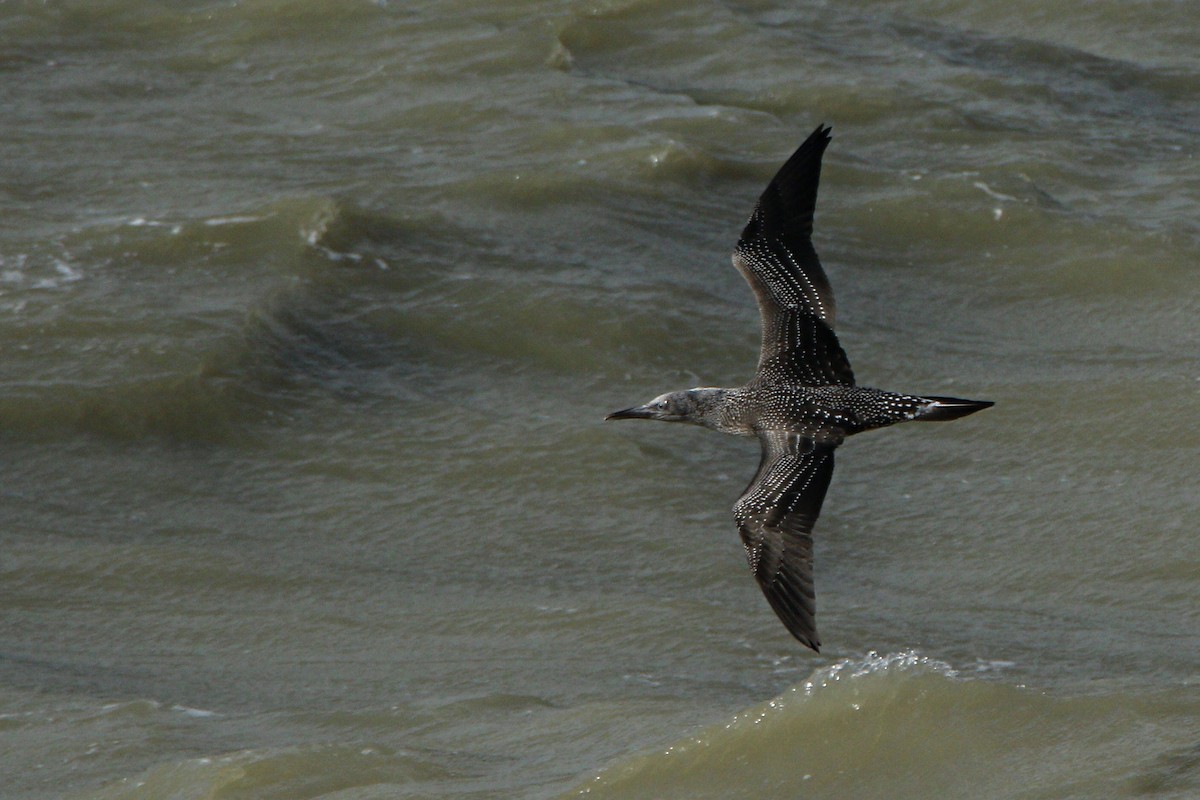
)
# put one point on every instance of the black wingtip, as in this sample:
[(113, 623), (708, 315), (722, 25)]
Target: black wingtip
[(788, 203), (821, 135), (812, 643), (804, 634)]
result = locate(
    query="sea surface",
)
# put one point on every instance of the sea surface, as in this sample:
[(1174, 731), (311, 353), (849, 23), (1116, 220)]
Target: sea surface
[(311, 311)]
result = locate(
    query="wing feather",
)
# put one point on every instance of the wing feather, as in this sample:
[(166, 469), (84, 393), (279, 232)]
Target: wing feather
[(775, 517), (775, 255)]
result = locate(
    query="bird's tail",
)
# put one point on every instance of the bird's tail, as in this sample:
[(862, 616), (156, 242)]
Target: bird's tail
[(942, 409)]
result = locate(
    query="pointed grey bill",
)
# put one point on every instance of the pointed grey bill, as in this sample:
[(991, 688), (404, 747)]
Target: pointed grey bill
[(775, 517), (637, 412), (775, 255)]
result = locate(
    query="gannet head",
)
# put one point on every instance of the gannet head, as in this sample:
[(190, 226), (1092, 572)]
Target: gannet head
[(690, 405)]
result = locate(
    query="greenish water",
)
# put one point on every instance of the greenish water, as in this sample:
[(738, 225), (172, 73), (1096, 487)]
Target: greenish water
[(310, 313)]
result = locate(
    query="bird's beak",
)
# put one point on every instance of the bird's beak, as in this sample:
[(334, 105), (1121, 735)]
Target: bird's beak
[(637, 412)]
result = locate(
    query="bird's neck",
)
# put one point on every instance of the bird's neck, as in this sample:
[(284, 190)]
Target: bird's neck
[(718, 409)]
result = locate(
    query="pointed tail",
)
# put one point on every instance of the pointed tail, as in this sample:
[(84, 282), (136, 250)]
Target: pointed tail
[(942, 409)]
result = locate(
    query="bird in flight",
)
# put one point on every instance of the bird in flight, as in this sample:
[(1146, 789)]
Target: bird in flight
[(802, 402)]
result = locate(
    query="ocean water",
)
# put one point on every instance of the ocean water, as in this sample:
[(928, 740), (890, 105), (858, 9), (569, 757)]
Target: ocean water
[(310, 313)]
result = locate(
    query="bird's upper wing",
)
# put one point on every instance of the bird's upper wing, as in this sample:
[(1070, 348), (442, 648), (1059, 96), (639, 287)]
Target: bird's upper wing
[(775, 517), (776, 257)]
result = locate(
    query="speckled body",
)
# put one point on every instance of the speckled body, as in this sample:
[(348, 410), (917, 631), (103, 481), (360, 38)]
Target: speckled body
[(824, 413)]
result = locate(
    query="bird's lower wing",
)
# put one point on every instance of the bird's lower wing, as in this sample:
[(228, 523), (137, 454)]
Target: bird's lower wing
[(775, 517)]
